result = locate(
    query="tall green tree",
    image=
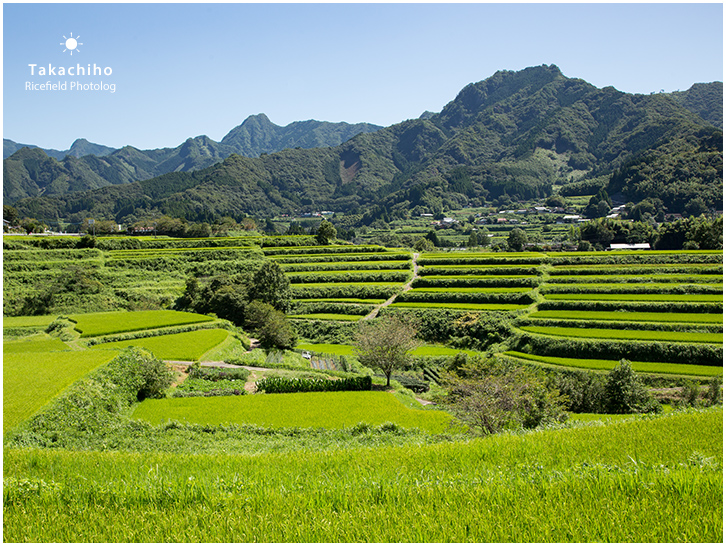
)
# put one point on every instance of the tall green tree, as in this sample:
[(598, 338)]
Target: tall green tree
[(271, 285), (385, 344), (517, 239), (326, 233)]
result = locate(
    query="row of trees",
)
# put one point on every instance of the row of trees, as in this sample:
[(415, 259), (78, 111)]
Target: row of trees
[(685, 233)]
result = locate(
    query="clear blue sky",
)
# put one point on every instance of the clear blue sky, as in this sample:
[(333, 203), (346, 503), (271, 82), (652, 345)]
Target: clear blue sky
[(182, 70)]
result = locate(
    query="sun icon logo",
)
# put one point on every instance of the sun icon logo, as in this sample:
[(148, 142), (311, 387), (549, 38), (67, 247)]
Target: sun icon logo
[(71, 44)]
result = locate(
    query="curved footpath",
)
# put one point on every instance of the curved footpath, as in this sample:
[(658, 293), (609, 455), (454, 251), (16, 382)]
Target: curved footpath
[(373, 314)]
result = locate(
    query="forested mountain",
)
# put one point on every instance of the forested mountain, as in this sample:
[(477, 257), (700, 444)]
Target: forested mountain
[(79, 148), (88, 166), (510, 137)]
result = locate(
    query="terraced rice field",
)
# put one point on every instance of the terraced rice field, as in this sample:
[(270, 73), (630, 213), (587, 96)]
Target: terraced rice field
[(342, 283), (663, 310)]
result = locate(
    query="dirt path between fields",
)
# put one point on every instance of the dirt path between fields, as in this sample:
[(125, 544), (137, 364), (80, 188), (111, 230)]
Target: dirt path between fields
[(406, 287)]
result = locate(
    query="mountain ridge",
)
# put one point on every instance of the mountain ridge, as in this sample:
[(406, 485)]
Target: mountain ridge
[(254, 136), (513, 136)]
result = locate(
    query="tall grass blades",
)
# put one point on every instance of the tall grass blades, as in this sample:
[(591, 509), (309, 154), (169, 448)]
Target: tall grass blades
[(654, 479)]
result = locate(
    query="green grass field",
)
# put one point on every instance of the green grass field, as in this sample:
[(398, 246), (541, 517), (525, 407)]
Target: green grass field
[(28, 322), (328, 410), (650, 479), (605, 333), (184, 346), (643, 367), (100, 324), (348, 350), (35, 344), (30, 380), (623, 316)]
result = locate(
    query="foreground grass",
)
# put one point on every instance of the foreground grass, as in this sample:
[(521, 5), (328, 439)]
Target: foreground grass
[(30, 380), (650, 479), (330, 410)]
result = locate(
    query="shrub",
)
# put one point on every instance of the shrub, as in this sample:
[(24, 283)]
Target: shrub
[(275, 384), (494, 395), (624, 392)]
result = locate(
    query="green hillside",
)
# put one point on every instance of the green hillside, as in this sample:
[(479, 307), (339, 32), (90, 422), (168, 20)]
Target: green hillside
[(509, 138)]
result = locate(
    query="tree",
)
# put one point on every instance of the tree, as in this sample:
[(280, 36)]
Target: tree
[(492, 396), (326, 232), (270, 285), (11, 215), (385, 344), (271, 326), (31, 225), (517, 239), (424, 245), (625, 393)]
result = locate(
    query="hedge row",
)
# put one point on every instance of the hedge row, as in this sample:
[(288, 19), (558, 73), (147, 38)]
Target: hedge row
[(636, 257), (10, 256), (707, 269), (46, 265), (345, 291), (643, 307), (509, 271), (376, 276), (662, 278), (615, 325), (472, 260), (332, 307), (473, 282), (344, 266), (320, 258), (674, 352), (617, 288), (277, 385), (521, 298), (345, 249)]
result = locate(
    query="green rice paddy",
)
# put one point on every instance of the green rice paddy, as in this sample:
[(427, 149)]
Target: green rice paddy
[(605, 333), (99, 324), (711, 318), (331, 410), (188, 346), (636, 297), (30, 380), (643, 367)]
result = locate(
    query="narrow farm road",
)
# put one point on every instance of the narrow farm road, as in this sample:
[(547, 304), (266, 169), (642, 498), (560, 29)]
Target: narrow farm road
[(373, 314)]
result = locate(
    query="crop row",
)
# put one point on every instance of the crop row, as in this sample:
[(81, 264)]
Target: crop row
[(639, 297), (642, 279), (520, 298), (644, 335), (349, 276), (345, 266), (603, 364), (665, 308), (648, 257), (344, 249), (608, 349), (638, 269), (511, 271), (277, 385), (473, 281), (632, 288), (382, 256)]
